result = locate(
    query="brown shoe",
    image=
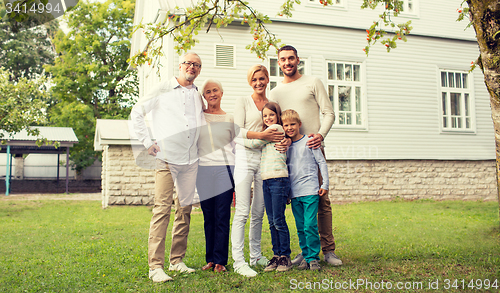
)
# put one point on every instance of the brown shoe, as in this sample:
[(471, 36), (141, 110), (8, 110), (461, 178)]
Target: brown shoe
[(208, 266), (284, 264), (219, 268)]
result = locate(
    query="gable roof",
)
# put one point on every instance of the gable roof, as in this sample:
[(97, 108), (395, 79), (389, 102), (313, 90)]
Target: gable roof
[(113, 132), (64, 135)]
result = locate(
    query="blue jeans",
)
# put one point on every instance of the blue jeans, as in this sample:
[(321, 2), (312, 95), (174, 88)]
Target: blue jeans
[(305, 211), (215, 189), (276, 192)]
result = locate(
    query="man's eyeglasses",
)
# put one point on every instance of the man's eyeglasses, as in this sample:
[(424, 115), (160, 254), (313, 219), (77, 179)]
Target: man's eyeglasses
[(188, 64)]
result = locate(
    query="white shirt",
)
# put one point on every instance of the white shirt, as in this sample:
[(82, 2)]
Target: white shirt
[(177, 113)]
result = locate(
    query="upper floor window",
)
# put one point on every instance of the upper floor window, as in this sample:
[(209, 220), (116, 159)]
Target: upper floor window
[(275, 73), (346, 91), (410, 7), (456, 101), (335, 2)]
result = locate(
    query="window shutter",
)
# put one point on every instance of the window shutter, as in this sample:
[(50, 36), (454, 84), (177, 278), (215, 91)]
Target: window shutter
[(224, 56)]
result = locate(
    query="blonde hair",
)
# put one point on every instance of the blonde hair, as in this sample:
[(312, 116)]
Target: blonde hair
[(290, 115), (254, 69)]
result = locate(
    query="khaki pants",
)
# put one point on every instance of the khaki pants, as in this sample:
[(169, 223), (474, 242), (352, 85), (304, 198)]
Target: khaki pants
[(325, 219), (184, 177)]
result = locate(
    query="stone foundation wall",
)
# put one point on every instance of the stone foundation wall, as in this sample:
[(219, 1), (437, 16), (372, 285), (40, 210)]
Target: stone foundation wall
[(411, 179), (129, 181), (126, 180)]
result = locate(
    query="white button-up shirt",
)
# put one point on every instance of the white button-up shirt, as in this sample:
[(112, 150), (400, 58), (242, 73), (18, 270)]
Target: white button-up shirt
[(177, 114)]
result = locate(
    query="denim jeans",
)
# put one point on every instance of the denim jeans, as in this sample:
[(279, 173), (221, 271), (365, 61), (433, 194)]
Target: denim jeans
[(276, 192), (215, 187)]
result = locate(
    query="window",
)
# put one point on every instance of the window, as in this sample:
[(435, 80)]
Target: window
[(346, 90), (456, 101), (409, 8), (224, 56), (275, 73), (335, 2)]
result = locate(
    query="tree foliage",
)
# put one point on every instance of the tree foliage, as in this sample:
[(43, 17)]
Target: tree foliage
[(91, 72), (81, 118), (25, 45), (22, 104), (184, 24)]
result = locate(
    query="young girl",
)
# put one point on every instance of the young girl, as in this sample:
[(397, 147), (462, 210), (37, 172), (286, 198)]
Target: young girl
[(276, 187)]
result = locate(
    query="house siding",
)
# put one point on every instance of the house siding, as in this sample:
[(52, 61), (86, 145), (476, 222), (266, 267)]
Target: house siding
[(402, 90)]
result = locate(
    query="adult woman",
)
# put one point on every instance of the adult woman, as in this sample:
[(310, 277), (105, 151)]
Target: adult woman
[(248, 117), (215, 181)]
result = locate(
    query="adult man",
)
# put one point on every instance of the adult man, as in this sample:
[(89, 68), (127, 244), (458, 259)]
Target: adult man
[(307, 95), (177, 113)]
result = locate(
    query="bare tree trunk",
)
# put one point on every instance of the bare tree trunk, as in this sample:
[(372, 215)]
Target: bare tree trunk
[(485, 18)]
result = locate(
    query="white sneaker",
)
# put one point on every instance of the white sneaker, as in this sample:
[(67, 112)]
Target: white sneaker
[(246, 271), (332, 259), (181, 267), (262, 261), (159, 276)]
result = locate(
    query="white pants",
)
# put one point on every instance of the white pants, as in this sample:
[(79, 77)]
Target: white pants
[(247, 169)]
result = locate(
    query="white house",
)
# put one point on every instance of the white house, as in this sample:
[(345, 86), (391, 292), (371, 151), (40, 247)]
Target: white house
[(410, 123)]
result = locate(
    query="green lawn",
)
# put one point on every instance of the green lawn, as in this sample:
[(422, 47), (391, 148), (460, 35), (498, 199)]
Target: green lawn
[(75, 246)]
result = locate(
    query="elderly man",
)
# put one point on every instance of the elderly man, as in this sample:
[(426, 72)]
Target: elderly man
[(177, 113)]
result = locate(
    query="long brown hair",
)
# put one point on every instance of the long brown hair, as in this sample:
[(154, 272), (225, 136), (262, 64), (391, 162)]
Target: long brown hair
[(276, 109)]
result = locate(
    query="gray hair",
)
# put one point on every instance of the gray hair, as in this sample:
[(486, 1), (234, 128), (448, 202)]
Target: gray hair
[(211, 80), (183, 56)]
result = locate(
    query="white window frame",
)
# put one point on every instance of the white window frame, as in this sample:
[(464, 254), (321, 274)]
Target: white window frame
[(336, 3), (414, 12), (457, 123), (234, 56), (278, 77), (332, 88)]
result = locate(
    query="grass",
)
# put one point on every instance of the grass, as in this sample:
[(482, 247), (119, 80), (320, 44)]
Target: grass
[(75, 246)]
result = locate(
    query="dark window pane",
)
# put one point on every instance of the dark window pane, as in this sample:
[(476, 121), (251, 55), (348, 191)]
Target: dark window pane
[(340, 71), (444, 79), (458, 79), (455, 103), (273, 64), (301, 67), (348, 72), (331, 71), (331, 89), (358, 99), (344, 98), (467, 104), (444, 104), (357, 73), (451, 79)]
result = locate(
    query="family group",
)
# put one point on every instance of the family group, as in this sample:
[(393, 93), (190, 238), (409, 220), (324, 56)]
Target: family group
[(270, 153)]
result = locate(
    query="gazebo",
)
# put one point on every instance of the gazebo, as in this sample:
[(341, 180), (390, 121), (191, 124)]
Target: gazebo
[(23, 143)]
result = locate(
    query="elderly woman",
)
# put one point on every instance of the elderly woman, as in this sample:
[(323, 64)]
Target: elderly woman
[(248, 117), (215, 180)]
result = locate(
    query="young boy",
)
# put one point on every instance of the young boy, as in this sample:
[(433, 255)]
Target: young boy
[(303, 165)]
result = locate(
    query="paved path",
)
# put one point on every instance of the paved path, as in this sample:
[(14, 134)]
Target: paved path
[(52, 196)]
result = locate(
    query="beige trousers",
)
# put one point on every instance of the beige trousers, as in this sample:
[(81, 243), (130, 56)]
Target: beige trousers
[(184, 177), (325, 219)]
